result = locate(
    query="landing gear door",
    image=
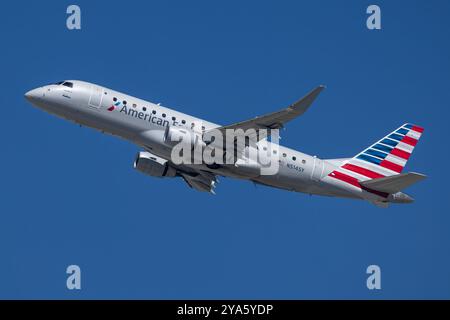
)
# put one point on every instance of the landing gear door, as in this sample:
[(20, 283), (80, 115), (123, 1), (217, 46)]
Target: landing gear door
[(317, 170), (95, 100)]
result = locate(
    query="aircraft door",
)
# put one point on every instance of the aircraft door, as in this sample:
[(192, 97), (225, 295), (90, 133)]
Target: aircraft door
[(317, 171), (95, 100)]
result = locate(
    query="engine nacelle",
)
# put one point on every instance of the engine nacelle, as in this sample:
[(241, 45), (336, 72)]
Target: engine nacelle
[(173, 136), (154, 166)]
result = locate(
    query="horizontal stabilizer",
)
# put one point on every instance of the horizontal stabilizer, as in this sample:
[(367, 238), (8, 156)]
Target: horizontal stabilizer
[(393, 184)]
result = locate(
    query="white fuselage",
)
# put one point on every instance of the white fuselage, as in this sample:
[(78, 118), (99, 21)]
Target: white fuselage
[(144, 124)]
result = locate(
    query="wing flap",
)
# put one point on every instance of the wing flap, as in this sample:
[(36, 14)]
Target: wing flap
[(393, 184)]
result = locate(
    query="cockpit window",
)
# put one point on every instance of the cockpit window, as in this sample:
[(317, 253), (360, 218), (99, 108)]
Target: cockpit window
[(64, 83)]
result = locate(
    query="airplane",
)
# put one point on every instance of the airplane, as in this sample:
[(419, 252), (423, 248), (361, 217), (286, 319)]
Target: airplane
[(374, 174)]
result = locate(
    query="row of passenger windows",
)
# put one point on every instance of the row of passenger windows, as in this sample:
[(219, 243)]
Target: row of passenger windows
[(193, 124), (294, 158), (154, 112)]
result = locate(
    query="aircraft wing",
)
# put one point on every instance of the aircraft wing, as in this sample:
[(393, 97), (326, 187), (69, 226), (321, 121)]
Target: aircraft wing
[(276, 120), (195, 178), (201, 181)]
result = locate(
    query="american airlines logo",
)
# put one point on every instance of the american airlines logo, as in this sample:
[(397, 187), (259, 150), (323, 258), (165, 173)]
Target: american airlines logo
[(114, 106), (140, 114)]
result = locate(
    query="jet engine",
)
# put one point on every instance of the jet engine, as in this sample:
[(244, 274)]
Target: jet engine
[(154, 166)]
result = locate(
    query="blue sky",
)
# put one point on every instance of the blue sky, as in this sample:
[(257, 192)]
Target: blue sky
[(71, 196)]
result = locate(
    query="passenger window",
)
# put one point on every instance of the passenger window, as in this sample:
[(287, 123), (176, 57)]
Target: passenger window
[(144, 109), (173, 118), (183, 121), (134, 105), (284, 155), (124, 102), (154, 112), (294, 158), (163, 115), (114, 99)]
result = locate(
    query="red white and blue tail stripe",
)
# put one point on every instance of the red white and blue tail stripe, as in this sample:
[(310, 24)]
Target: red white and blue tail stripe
[(386, 157)]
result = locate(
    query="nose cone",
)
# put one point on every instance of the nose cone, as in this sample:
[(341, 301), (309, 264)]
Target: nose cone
[(33, 95)]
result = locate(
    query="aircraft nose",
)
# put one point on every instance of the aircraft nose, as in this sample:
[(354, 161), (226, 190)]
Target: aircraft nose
[(33, 95)]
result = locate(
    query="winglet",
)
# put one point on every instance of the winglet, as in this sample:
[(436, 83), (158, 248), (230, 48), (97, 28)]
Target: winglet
[(299, 107)]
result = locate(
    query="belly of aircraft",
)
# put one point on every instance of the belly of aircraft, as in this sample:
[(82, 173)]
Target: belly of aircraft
[(308, 187)]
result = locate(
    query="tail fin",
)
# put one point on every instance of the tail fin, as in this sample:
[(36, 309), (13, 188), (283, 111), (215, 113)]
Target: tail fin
[(386, 157)]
